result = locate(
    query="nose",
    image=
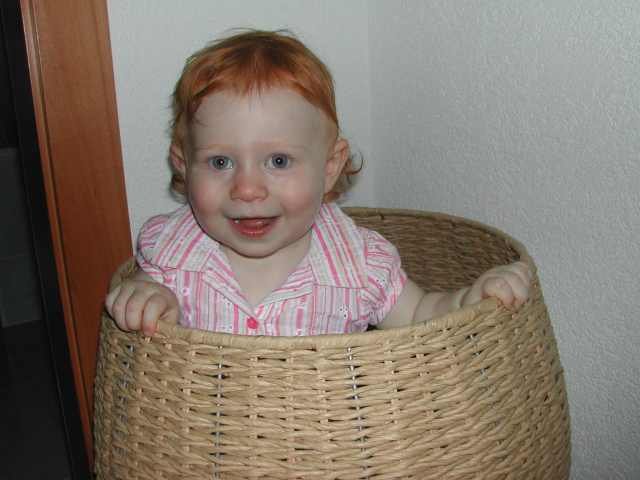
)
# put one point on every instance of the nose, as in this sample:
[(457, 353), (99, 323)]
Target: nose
[(248, 186)]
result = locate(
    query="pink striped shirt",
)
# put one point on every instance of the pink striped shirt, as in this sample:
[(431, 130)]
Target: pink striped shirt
[(350, 278)]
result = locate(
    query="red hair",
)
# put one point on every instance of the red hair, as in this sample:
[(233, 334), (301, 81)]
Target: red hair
[(251, 62)]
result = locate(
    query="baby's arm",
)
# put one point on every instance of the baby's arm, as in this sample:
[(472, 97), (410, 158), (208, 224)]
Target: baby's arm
[(509, 283), (138, 302)]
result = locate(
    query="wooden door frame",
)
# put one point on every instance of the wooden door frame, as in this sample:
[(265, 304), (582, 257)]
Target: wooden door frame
[(71, 77)]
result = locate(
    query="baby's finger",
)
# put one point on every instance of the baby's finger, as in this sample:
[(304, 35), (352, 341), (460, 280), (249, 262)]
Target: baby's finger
[(118, 309), (472, 295), (155, 307), (171, 315), (110, 299), (135, 309), (519, 287), (499, 288)]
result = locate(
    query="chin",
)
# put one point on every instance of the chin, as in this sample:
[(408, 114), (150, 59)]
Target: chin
[(255, 253)]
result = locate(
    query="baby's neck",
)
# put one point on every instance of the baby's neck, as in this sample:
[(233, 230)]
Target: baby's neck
[(257, 277)]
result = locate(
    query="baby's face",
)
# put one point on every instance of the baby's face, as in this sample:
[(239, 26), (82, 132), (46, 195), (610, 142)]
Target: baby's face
[(256, 169)]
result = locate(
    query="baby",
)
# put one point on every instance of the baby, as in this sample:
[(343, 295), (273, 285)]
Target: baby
[(260, 247)]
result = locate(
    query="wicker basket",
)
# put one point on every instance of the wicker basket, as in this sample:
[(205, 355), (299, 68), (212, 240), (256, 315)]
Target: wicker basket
[(477, 394)]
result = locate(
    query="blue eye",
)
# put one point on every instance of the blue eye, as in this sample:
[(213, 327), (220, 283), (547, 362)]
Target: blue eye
[(220, 163), (279, 161)]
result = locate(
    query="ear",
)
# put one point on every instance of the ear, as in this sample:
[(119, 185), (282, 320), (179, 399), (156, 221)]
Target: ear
[(176, 154), (338, 156)]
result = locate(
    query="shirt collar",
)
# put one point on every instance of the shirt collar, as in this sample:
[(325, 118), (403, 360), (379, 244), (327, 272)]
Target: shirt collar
[(337, 249), (183, 244)]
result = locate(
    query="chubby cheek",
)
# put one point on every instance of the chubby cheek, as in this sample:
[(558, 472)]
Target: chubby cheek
[(302, 197), (207, 208), (204, 197)]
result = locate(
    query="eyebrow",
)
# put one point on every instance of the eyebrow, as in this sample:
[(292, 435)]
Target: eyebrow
[(212, 146)]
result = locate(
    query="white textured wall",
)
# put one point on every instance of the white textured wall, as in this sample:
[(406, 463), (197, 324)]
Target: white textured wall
[(150, 40), (526, 115)]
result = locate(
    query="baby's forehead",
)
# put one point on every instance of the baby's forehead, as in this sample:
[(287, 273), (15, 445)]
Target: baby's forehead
[(278, 105), (276, 116)]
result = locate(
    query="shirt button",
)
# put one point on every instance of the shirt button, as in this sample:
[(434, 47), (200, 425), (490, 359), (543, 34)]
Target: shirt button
[(252, 323)]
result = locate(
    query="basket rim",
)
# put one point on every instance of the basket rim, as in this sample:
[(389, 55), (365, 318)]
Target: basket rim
[(346, 340), (415, 213), (335, 340)]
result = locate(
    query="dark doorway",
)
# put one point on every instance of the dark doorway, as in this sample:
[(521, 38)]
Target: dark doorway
[(40, 432)]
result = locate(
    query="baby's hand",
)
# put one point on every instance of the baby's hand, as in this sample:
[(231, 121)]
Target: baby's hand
[(137, 304), (509, 283)]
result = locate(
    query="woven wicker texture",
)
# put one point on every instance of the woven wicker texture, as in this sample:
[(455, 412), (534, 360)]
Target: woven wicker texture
[(477, 394)]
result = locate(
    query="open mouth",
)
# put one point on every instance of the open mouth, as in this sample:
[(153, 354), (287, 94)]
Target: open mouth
[(253, 227)]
